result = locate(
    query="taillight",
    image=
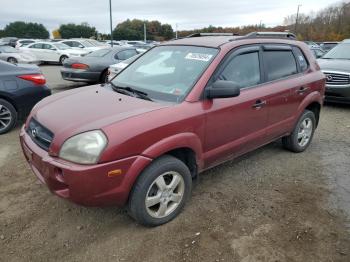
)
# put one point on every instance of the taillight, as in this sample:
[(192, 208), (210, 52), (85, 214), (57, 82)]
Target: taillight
[(79, 66), (37, 79)]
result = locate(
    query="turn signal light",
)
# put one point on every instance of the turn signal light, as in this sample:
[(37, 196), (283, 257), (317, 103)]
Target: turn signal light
[(37, 79), (79, 66)]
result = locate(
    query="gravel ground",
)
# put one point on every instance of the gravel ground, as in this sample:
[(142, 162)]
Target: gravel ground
[(270, 205)]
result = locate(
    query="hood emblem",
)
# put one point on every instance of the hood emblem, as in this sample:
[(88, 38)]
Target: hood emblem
[(329, 78)]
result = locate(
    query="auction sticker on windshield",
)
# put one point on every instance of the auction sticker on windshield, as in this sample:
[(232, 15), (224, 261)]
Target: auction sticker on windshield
[(199, 56)]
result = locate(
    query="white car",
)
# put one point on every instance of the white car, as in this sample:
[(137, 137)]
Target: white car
[(88, 45), (52, 52), (24, 42), (115, 69)]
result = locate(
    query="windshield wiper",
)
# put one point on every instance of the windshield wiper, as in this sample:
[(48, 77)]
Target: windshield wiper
[(128, 89)]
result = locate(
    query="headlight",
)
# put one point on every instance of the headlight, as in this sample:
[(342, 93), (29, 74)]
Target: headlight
[(84, 148)]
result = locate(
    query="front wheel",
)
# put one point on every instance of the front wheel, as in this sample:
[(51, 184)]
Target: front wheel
[(302, 134), (160, 192)]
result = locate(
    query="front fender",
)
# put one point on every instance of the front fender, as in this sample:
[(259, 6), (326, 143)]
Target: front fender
[(182, 140)]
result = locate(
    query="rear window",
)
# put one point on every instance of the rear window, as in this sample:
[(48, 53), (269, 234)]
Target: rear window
[(279, 64), (99, 53), (126, 54)]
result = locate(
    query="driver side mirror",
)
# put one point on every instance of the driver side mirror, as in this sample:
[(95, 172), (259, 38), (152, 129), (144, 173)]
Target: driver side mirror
[(222, 89)]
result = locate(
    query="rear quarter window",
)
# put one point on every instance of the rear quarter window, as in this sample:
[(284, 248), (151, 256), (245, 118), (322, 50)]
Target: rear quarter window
[(279, 64), (302, 61)]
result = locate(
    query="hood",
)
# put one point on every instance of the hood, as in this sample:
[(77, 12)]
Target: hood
[(88, 108), (340, 65)]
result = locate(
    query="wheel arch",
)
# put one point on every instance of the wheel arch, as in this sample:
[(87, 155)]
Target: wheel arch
[(312, 102), (8, 99)]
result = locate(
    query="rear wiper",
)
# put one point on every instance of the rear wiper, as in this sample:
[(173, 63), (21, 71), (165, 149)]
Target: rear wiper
[(135, 92)]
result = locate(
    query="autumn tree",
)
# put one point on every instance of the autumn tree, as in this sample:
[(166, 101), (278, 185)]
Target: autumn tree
[(56, 34)]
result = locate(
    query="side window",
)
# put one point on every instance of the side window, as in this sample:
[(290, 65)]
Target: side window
[(68, 43), (47, 46), (123, 55), (301, 59), (37, 46), (279, 64), (243, 69), (76, 44)]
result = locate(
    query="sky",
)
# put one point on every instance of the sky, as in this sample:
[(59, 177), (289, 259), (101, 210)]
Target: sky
[(187, 14)]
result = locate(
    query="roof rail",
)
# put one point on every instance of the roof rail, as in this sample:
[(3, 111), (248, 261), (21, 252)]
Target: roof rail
[(271, 35), (211, 34)]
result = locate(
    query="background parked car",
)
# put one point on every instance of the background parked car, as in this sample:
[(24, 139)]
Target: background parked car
[(326, 46), (94, 66), (11, 41), (336, 66), (318, 52), (52, 52), (24, 42), (87, 44), (115, 69), (14, 56), (312, 44), (21, 87)]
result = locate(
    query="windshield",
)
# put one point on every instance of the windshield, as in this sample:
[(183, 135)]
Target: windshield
[(341, 51), (99, 53), (8, 49), (167, 72), (61, 46)]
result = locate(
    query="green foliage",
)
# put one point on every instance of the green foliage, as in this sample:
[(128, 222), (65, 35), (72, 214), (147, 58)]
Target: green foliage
[(2, 33), (134, 30), (26, 30), (83, 30)]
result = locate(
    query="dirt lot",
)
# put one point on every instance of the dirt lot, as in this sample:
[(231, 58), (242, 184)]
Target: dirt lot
[(270, 205)]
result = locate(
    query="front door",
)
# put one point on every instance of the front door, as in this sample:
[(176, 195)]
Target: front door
[(236, 125)]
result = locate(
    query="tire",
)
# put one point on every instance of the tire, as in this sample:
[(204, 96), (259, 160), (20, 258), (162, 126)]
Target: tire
[(104, 77), (302, 134), (62, 58), (8, 116), (12, 60), (162, 208)]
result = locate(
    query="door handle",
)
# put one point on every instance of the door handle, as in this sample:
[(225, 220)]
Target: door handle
[(302, 90), (259, 104)]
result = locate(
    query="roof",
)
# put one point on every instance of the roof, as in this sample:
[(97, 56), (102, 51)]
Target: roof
[(207, 41)]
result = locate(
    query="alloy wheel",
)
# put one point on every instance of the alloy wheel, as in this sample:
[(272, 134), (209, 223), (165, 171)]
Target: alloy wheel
[(305, 132), (5, 117), (165, 194)]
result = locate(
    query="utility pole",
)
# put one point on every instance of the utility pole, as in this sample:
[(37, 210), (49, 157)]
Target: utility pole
[(144, 32), (110, 20), (176, 31), (296, 21)]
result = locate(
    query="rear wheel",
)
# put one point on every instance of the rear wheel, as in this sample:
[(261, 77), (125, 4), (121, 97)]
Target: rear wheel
[(302, 134), (8, 116), (62, 58), (12, 60), (161, 192)]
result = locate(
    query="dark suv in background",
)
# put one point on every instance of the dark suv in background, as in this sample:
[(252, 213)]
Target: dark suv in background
[(177, 110)]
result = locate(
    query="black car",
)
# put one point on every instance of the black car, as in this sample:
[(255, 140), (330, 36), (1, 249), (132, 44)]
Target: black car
[(94, 66), (21, 87), (11, 41)]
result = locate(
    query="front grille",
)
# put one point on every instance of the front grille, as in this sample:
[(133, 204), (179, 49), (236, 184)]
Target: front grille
[(40, 134), (337, 78)]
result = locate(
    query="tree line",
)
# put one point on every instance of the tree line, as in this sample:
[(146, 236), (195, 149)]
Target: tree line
[(329, 24), (127, 30)]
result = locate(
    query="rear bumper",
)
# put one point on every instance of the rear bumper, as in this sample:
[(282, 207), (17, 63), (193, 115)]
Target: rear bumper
[(88, 185), (78, 75), (337, 94)]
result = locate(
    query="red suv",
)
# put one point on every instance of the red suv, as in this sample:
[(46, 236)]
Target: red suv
[(179, 109)]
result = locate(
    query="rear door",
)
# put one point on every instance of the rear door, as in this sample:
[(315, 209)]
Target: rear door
[(37, 50), (237, 125)]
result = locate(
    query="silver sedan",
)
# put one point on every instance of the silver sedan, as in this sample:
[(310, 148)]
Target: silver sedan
[(14, 56)]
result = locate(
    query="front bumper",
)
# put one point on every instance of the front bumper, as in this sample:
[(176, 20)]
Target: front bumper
[(88, 185), (78, 75), (338, 93)]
